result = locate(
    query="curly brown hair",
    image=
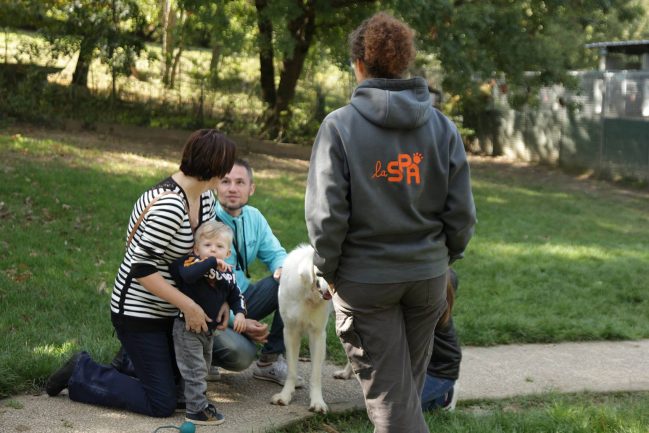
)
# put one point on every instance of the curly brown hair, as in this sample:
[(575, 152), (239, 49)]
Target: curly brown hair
[(384, 44)]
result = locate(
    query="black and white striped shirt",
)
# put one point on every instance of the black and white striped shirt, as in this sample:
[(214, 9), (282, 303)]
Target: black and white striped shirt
[(164, 235)]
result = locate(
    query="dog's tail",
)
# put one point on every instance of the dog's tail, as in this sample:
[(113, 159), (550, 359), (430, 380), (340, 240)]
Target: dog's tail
[(451, 287)]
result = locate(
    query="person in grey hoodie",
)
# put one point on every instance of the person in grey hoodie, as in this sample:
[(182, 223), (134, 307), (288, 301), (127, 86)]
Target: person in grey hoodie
[(388, 207)]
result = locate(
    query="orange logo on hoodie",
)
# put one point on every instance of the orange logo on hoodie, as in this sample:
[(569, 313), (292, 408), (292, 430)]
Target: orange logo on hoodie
[(404, 166)]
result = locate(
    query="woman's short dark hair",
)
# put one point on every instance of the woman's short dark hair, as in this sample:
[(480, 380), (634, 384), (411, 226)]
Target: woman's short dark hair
[(384, 44), (207, 154)]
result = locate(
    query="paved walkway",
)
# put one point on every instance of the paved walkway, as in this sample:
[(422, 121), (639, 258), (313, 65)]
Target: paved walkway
[(494, 372)]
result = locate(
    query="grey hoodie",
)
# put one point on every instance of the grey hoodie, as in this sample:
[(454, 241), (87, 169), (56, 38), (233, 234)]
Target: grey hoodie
[(388, 197)]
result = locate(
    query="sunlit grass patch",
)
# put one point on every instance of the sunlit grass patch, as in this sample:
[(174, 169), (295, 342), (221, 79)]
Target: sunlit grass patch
[(97, 159)]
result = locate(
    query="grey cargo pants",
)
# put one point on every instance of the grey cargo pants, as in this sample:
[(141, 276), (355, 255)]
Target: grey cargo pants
[(387, 332)]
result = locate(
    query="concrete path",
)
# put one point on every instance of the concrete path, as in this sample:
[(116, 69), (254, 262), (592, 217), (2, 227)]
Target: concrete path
[(487, 373)]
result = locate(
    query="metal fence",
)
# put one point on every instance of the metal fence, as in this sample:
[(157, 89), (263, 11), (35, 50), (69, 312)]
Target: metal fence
[(603, 126)]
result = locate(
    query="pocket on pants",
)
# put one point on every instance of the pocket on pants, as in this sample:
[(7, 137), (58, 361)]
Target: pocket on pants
[(353, 345)]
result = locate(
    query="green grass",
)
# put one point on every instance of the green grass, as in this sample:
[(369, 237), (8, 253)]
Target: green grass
[(553, 259), (582, 413), (64, 220)]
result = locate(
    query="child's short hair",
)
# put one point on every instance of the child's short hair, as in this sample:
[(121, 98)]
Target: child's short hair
[(213, 229)]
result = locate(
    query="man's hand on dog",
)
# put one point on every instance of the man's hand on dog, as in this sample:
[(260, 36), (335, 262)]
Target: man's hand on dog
[(277, 274), (258, 332)]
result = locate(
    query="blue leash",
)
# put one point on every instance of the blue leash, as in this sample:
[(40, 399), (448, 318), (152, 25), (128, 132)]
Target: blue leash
[(186, 427)]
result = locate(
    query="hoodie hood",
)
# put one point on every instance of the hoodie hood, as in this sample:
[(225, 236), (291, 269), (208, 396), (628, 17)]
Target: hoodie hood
[(394, 103)]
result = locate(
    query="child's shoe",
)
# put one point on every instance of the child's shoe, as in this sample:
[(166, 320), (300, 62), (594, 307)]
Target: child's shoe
[(208, 416)]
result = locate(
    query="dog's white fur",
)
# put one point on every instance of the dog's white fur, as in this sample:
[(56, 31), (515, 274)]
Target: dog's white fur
[(304, 311)]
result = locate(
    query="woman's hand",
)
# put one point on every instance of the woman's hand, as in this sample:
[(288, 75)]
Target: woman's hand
[(256, 331), (195, 318), (223, 316)]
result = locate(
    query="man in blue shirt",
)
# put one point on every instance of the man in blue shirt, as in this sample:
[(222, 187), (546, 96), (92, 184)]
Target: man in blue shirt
[(253, 240)]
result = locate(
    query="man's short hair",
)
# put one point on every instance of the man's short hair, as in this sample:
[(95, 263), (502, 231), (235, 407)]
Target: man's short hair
[(245, 164)]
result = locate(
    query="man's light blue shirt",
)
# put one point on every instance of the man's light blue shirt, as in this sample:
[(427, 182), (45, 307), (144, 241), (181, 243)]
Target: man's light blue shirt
[(255, 240)]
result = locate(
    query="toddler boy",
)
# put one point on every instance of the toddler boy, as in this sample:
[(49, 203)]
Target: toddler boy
[(208, 280)]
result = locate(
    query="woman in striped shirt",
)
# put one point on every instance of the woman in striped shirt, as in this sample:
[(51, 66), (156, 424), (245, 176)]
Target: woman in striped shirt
[(145, 300)]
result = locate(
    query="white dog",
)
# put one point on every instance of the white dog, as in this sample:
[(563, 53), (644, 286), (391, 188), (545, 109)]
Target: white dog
[(304, 303)]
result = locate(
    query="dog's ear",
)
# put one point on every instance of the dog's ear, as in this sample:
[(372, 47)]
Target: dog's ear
[(306, 272)]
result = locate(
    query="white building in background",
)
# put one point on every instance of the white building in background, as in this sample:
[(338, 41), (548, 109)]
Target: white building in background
[(623, 89)]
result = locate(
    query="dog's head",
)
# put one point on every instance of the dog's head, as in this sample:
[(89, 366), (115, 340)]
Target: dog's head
[(316, 284)]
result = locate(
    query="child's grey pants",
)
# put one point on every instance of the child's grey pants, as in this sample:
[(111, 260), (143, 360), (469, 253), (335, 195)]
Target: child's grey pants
[(387, 332), (193, 356)]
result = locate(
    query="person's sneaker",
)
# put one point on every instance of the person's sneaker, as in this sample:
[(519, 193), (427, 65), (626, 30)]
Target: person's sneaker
[(213, 374), (58, 381), (208, 416), (451, 398), (181, 406), (275, 372)]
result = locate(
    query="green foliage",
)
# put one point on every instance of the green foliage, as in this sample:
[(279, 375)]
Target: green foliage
[(24, 14), (232, 105), (110, 29), (472, 42), (55, 105), (224, 27), (24, 93), (480, 41), (228, 24)]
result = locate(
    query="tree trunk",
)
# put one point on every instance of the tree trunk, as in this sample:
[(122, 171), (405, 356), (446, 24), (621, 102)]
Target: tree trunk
[(214, 64), (174, 67), (168, 20), (176, 58), (266, 67), (81, 70), (302, 29)]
